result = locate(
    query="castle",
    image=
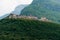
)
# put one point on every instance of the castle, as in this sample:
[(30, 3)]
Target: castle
[(28, 17), (22, 16), (43, 19)]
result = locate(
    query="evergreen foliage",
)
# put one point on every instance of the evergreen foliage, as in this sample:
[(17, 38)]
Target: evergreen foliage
[(24, 29)]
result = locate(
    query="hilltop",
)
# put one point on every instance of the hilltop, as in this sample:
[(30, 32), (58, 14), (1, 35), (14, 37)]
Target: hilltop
[(25, 29)]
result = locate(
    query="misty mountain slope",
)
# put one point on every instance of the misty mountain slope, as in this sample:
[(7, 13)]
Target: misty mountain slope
[(19, 8), (17, 11), (43, 8), (4, 16)]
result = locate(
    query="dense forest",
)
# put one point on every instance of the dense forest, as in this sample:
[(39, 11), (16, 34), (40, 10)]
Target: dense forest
[(25, 29), (43, 8)]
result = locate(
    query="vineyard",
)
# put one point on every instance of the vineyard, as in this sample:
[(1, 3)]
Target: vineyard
[(24, 29)]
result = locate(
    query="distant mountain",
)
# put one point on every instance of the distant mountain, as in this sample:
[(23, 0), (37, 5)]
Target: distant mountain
[(43, 8), (19, 8), (2, 17)]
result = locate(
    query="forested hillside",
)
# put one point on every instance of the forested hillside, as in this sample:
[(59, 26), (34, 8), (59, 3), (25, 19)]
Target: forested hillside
[(43, 8), (24, 29)]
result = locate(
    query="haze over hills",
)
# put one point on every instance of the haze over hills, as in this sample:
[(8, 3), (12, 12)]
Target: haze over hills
[(19, 8), (7, 6), (40, 8), (4, 16)]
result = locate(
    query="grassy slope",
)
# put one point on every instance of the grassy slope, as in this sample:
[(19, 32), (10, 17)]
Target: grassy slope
[(23, 29)]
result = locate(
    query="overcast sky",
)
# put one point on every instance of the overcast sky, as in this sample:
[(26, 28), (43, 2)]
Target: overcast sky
[(7, 6)]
